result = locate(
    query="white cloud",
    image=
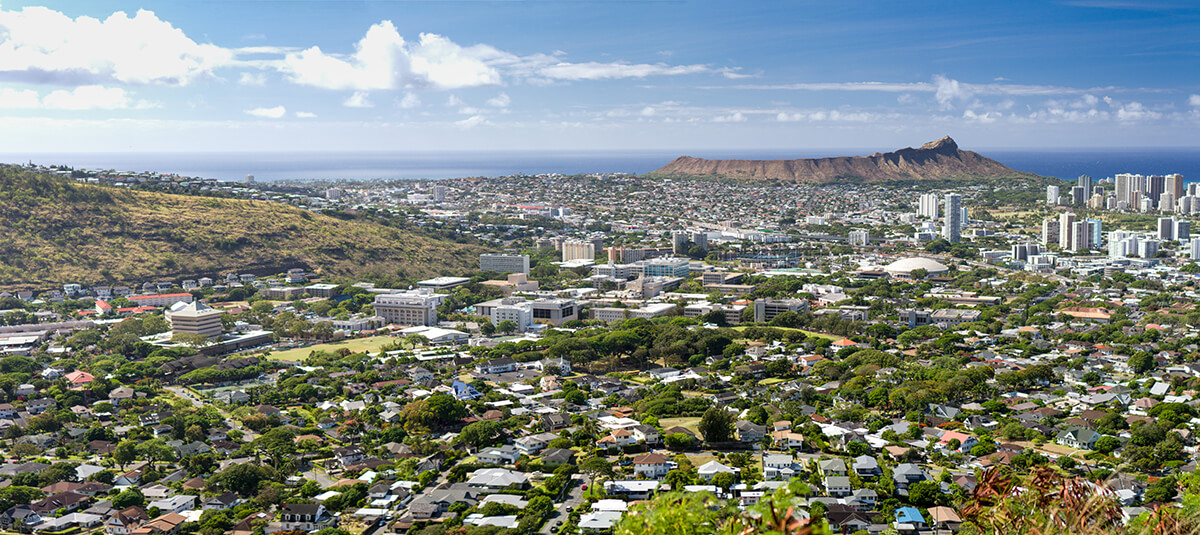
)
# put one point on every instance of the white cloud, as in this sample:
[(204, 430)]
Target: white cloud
[(454, 102), (1194, 100), (947, 91), (410, 100), (40, 45), (1135, 111), (91, 97), (826, 115), (358, 100), (984, 118), (269, 113), (735, 117), (19, 99), (253, 79), (500, 101), (472, 121), (305, 115), (383, 60), (648, 111)]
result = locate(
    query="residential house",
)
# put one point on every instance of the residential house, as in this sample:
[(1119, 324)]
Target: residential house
[(500, 455), (651, 466), (304, 517)]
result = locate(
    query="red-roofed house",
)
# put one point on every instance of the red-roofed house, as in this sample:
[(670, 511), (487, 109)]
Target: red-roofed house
[(79, 378)]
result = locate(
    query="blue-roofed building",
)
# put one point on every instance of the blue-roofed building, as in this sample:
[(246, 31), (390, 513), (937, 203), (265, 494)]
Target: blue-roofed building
[(464, 391), (909, 520)]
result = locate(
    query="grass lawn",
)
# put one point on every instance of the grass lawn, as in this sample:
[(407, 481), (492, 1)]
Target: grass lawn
[(690, 423), (808, 333), (355, 345), (698, 459), (770, 381)]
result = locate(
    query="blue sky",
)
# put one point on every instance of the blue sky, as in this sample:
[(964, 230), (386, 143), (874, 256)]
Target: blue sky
[(545, 75)]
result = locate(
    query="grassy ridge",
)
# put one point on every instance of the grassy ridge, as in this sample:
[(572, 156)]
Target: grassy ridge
[(56, 230)]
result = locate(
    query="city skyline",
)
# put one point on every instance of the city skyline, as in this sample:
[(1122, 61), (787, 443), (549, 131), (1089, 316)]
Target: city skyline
[(529, 76)]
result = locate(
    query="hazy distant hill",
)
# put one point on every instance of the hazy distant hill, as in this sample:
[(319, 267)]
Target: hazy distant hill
[(939, 159), (54, 230)]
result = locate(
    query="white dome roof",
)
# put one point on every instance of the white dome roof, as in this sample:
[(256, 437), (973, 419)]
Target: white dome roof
[(908, 265)]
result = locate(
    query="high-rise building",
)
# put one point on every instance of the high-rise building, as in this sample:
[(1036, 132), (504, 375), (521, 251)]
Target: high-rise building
[(249, 179), (194, 318), (1080, 236), (859, 237), (1174, 185), (439, 193), (1195, 249), (504, 263), (578, 250), (1022, 252), (1052, 195), (1066, 228), (1049, 231), (1086, 183), (1155, 186), (1078, 196), (1183, 230), (1123, 188), (665, 267), (1095, 233), (700, 237), (952, 227), (1166, 202), (928, 206), (1147, 248), (679, 239), (1166, 228)]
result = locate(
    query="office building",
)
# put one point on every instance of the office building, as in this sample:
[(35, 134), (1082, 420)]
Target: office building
[(1049, 231), (1078, 196), (665, 267), (554, 311), (1022, 252), (1183, 230), (1147, 248), (1194, 248), (194, 318), (766, 309), (679, 239), (1166, 202), (625, 255), (438, 193), (1066, 224), (700, 237), (1052, 195), (1086, 183), (927, 206), (413, 307), (504, 263), (1095, 233), (952, 227), (578, 250)]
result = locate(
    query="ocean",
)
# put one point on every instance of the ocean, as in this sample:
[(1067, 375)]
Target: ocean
[(269, 166)]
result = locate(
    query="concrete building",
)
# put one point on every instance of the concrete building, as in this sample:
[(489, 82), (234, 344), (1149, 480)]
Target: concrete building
[(1049, 231), (578, 250), (618, 271), (927, 206), (514, 309), (1066, 226), (438, 193), (1052, 195), (1166, 228), (766, 309), (504, 263), (1080, 236), (952, 226), (414, 307), (554, 311), (859, 237), (160, 300), (194, 318)]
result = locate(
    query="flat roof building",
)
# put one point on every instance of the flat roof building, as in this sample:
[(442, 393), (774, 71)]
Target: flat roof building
[(194, 318), (504, 263)]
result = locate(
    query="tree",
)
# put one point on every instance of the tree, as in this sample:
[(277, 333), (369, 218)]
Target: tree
[(480, 434), (724, 480), (243, 478), (716, 425), (507, 326), (128, 498), (576, 397), (679, 441), (155, 449), (1107, 444), (924, 493), (19, 495), (125, 453), (1141, 362)]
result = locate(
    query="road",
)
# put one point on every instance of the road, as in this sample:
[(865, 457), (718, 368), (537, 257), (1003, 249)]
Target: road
[(247, 434), (574, 498)]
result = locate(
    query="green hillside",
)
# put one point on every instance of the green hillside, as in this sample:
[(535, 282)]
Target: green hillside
[(55, 230)]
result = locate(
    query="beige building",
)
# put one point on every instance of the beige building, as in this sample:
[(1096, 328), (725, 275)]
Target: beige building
[(194, 318)]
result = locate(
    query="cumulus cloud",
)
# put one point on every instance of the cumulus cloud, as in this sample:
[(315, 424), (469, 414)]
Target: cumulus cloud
[(253, 79), (92, 97), (499, 101), (984, 118), (19, 99), (1135, 111), (305, 115), (735, 117), (472, 121), (947, 91), (268, 113), (360, 99), (648, 111), (40, 45), (410, 100), (1194, 100)]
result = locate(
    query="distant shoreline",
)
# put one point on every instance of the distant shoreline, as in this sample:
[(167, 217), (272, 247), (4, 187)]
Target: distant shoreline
[(272, 166)]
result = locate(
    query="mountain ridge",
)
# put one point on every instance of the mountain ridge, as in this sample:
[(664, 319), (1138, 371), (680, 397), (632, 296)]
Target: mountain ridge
[(939, 159), (58, 231)]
